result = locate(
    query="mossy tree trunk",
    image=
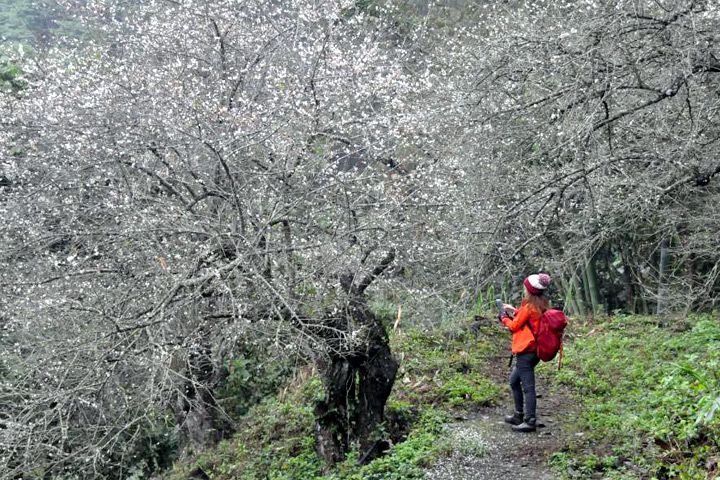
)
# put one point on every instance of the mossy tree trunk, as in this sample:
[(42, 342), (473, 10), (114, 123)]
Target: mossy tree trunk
[(357, 379), (357, 385), (196, 410)]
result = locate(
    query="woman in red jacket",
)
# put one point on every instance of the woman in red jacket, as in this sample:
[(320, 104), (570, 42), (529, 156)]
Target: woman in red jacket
[(522, 324)]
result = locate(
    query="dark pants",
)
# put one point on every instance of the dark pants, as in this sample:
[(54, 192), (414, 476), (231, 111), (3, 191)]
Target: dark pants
[(522, 382)]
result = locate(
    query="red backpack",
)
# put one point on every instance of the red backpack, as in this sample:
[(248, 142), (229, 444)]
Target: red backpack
[(548, 337)]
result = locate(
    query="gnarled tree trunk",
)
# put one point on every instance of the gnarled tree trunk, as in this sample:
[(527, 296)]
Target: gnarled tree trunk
[(357, 379), (196, 411)]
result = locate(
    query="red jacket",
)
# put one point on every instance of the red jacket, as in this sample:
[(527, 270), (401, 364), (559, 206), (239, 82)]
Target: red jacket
[(523, 340)]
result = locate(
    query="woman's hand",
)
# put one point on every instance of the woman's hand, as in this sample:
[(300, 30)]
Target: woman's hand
[(509, 308)]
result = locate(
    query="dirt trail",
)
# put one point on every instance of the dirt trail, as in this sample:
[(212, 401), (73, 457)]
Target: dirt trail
[(485, 448)]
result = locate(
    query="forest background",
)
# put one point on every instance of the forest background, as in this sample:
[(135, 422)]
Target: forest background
[(194, 189)]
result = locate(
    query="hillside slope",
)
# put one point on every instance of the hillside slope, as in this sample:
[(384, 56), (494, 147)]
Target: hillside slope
[(636, 399)]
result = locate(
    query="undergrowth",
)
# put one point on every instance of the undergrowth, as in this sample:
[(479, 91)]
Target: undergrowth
[(439, 372), (444, 368), (650, 392)]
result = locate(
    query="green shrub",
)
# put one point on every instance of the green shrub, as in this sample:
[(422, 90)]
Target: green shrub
[(443, 367), (249, 380), (11, 76)]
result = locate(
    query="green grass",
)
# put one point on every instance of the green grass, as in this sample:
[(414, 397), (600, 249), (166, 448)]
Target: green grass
[(444, 368), (405, 460), (648, 395), (275, 442)]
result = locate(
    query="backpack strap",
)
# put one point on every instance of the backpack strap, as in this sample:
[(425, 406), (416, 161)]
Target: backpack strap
[(530, 327), (560, 357)]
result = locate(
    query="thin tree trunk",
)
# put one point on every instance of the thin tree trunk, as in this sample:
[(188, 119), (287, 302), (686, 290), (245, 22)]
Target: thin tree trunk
[(591, 275), (579, 295), (664, 260), (645, 308), (691, 281), (567, 288), (589, 307), (566, 295), (630, 299)]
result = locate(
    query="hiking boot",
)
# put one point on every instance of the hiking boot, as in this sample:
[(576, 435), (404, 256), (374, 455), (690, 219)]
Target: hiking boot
[(528, 425), (514, 419)]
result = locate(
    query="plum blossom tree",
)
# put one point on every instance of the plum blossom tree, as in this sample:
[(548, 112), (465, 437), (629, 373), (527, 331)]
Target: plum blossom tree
[(192, 174)]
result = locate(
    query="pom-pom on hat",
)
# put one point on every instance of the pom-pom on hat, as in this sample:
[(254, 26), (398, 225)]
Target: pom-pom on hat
[(537, 283)]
